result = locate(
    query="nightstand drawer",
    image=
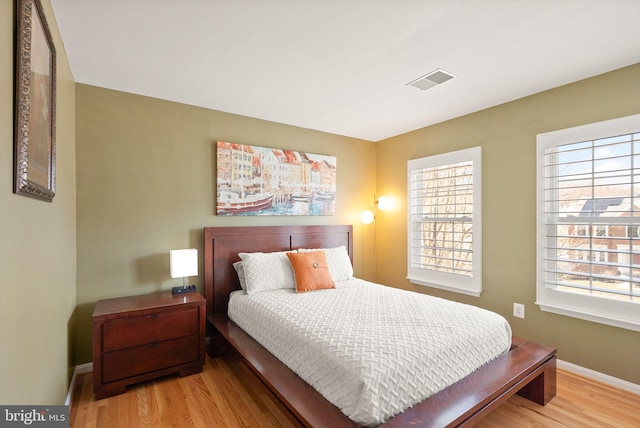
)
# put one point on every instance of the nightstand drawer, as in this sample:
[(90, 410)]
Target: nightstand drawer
[(127, 333), (154, 356)]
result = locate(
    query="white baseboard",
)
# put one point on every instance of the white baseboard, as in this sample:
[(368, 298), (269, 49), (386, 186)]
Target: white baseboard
[(77, 371), (599, 377)]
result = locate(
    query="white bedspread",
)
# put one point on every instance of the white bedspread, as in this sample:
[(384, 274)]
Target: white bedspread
[(372, 351)]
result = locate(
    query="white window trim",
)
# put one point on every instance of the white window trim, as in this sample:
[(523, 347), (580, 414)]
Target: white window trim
[(469, 285), (597, 309)]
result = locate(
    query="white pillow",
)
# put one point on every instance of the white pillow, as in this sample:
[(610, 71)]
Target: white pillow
[(267, 271), (338, 261), (239, 267)]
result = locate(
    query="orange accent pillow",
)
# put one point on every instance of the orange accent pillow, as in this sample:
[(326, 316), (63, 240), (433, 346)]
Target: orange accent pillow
[(311, 271)]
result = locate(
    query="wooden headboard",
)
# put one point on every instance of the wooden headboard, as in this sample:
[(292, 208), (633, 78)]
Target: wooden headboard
[(222, 245)]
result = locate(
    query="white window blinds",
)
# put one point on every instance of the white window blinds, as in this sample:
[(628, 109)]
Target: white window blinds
[(444, 221), (592, 192), (588, 220)]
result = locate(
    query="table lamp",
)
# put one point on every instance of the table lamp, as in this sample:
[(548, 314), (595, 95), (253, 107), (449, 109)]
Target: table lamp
[(183, 264)]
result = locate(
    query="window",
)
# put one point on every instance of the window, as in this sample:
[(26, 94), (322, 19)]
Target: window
[(444, 227), (589, 222), (633, 232)]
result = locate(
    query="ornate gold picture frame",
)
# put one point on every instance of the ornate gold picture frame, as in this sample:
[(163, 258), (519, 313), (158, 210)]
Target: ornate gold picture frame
[(35, 114)]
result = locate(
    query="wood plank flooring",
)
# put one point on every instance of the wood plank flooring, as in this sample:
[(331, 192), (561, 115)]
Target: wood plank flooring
[(226, 394)]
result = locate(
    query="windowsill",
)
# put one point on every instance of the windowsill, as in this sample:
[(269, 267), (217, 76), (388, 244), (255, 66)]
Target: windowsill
[(581, 314), (474, 293)]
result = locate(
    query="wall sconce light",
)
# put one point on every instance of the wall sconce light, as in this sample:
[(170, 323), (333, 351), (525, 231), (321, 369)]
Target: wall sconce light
[(383, 203), (183, 264)]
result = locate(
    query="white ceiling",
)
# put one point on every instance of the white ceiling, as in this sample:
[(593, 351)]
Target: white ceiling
[(341, 66)]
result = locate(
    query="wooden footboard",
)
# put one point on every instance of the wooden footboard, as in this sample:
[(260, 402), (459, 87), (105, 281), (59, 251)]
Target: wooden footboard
[(528, 369)]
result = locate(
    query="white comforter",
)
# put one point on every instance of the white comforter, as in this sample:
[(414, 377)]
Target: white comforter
[(372, 351)]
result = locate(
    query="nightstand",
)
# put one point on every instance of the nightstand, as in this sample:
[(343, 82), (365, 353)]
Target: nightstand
[(139, 338)]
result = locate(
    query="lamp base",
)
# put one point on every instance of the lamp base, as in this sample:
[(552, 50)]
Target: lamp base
[(184, 289)]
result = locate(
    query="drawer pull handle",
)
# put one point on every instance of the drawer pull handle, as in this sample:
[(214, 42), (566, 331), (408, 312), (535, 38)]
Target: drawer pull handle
[(152, 316), (153, 344)]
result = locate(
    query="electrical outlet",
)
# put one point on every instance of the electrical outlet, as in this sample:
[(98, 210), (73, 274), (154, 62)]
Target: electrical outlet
[(518, 310)]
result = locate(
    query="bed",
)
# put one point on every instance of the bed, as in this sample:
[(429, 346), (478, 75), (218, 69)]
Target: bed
[(527, 368)]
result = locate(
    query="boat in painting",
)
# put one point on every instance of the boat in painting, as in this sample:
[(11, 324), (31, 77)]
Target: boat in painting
[(300, 196), (230, 203), (325, 195)]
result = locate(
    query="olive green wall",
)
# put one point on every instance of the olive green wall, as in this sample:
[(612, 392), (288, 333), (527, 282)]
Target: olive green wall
[(507, 134), (146, 185), (37, 246), (144, 170)]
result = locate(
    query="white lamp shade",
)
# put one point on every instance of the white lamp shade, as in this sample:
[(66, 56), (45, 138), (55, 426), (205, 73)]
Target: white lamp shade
[(385, 203), (183, 263), (366, 217)]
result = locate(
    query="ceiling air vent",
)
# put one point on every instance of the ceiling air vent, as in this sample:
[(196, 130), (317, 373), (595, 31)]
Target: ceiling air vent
[(430, 80)]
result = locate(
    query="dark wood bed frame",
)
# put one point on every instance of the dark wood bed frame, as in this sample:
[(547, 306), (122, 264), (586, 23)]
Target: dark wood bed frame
[(529, 369)]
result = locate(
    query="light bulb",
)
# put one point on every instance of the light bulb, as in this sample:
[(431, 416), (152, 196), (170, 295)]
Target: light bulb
[(385, 203), (366, 217)]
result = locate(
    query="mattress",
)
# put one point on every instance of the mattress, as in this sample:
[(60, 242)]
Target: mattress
[(372, 351)]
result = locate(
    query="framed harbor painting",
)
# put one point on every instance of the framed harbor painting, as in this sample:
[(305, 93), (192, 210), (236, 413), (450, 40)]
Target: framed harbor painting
[(35, 113), (254, 180)]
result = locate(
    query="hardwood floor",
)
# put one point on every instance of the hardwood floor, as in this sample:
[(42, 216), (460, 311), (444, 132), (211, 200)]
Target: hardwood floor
[(226, 394), (580, 402)]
